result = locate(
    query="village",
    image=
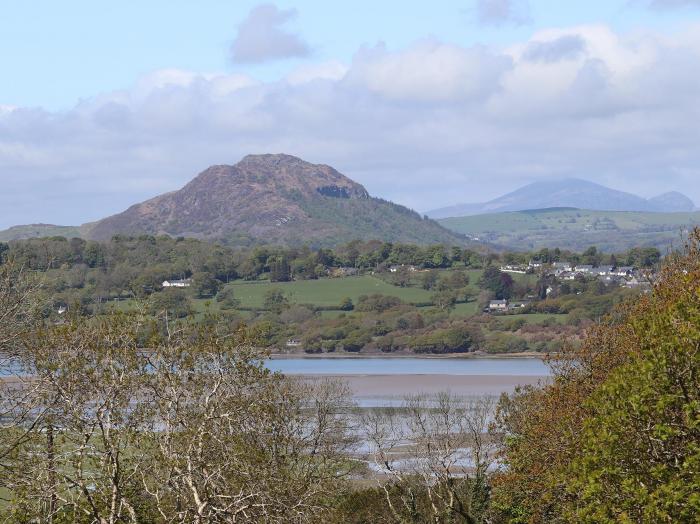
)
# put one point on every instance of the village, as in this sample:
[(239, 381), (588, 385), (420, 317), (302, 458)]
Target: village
[(628, 277)]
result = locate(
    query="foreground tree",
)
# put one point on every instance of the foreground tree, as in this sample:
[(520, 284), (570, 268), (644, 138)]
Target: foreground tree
[(20, 305), (191, 429), (435, 453), (615, 437), (21, 414), (640, 459)]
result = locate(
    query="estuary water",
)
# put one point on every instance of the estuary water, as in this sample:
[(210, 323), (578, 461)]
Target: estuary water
[(529, 367), (383, 382), (379, 382)]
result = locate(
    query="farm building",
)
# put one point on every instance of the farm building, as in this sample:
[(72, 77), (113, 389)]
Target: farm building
[(177, 283), (498, 305)]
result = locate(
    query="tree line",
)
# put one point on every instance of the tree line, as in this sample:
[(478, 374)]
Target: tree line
[(93, 272)]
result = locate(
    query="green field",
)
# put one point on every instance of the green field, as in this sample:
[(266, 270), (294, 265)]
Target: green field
[(465, 309), (325, 292), (328, 292), (576, 229)]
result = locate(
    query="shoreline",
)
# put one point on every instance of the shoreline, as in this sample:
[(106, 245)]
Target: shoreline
[(456, 356)]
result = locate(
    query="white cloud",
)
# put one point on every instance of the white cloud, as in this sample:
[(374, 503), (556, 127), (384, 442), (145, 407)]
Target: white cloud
[(432, 124), (261, 37), (332, 70), (429, 71)]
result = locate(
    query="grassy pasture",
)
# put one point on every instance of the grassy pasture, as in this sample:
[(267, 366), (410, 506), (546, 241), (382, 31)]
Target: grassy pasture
[(325, 292), (465, 309)]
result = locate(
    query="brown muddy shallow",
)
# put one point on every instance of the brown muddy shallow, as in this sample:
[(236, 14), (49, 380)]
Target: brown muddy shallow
[(397, 386)]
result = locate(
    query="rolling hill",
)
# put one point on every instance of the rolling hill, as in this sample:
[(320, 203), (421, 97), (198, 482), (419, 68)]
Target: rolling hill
[(41, 230), (274, 199), (575, 193), (576, 229)]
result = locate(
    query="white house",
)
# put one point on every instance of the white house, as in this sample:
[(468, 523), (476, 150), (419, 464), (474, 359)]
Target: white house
[(623, 271), (498, 305), (177, 283), (509, 268), (584, 268)]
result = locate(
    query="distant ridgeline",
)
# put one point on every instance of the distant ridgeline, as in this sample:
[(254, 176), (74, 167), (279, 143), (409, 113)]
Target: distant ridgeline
[(576, 229), (573, 193), (574, 214)]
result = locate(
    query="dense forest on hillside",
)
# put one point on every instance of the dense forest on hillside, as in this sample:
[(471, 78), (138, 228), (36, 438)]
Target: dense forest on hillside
[(362, 296), (140, 264)]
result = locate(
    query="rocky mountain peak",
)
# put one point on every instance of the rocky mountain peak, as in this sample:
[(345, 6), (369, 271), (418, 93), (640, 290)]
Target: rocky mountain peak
[(273, 198)]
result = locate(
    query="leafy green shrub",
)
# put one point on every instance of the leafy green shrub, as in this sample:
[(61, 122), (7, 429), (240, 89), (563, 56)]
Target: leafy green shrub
[(377, 303)]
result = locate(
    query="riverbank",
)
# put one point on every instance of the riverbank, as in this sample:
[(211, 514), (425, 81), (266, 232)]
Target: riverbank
[(399, 354), (410, 367)]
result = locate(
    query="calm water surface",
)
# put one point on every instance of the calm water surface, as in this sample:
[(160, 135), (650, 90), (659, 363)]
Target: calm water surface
[(409, 366)]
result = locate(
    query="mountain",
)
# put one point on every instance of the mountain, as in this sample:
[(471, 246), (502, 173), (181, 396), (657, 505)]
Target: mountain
[(673, 201), (278, 199), (573, 193)]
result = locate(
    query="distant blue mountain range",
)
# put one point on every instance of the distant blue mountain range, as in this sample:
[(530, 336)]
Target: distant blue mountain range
[(571, 192)]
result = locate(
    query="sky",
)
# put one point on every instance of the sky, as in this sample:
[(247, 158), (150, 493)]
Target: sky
[(428, 104)]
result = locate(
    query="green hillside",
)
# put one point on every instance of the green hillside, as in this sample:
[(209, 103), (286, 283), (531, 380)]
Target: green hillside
[(576, 229)]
